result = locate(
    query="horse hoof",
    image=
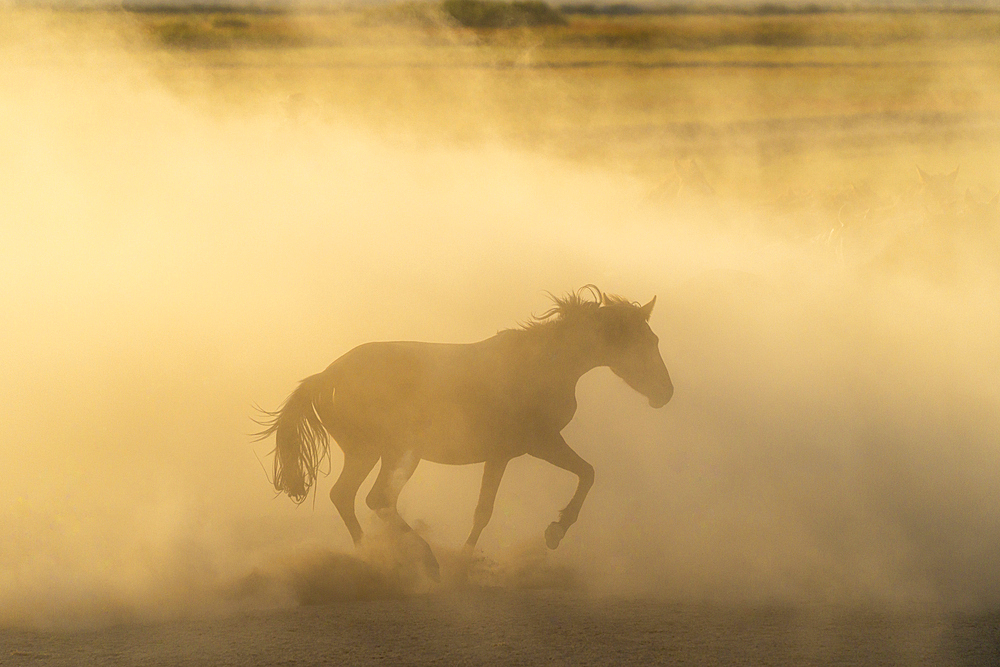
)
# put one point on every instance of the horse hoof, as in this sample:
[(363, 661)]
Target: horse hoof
[(553, 535)]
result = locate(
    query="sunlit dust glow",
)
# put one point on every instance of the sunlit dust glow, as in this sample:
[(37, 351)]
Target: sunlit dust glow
[(176, 250)]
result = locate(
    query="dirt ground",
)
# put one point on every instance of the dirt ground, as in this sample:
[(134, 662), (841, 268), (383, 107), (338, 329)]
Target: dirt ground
[(495, 626)]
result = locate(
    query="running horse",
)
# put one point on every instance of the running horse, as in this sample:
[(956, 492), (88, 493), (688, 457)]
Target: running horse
[(485, 402)]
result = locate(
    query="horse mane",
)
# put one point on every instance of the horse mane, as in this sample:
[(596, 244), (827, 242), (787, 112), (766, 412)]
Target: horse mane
[(583, 303)]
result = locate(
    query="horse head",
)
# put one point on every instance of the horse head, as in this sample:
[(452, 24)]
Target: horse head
[(632, 349)]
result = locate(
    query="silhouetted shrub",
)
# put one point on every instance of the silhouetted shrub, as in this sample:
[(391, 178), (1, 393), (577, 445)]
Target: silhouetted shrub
[(617, 9), (698, 8), (188, 34), (231, 23), (494, 14)]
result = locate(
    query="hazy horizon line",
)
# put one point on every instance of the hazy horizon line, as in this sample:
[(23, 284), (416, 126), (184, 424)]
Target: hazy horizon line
[(651, 6)]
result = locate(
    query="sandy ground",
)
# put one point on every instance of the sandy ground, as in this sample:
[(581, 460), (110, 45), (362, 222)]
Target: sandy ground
[(495, 626)]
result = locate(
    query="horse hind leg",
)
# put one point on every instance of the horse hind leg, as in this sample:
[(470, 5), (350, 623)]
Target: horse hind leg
[(345, 490), (394, 474)]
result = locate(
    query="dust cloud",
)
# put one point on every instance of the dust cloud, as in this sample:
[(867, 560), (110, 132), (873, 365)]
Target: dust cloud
[(833, 435)]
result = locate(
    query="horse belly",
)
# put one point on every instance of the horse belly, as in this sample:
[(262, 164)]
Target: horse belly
[(450, 439), (453, 453)]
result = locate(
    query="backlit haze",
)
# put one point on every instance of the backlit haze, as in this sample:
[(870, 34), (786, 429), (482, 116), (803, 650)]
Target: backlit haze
[(172, 255)]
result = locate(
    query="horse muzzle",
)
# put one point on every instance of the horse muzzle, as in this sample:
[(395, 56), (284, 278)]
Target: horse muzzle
[(661, 398)]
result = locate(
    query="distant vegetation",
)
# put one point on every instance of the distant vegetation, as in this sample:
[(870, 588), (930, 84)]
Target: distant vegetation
[(207, 31), (590, 9), (200, 27), (764, 9), (201, 8), (495, 14), (503, 14), (582, 25)]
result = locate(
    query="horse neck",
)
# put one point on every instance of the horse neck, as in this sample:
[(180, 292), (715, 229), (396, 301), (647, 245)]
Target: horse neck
[(570, 349)]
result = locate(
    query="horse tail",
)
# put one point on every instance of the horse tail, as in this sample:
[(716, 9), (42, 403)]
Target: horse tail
[(302, 442)]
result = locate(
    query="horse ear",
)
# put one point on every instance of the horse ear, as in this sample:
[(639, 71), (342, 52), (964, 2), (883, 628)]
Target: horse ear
[(647, 310)]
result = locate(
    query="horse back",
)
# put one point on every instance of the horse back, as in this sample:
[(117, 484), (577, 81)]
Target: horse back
[(451, 403)]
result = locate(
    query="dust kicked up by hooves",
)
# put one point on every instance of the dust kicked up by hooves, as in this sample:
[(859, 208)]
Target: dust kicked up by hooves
[(390, 566)]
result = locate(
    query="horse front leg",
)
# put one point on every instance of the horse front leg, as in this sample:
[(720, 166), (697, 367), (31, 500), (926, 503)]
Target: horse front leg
[(492, 474), (559, 454)]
